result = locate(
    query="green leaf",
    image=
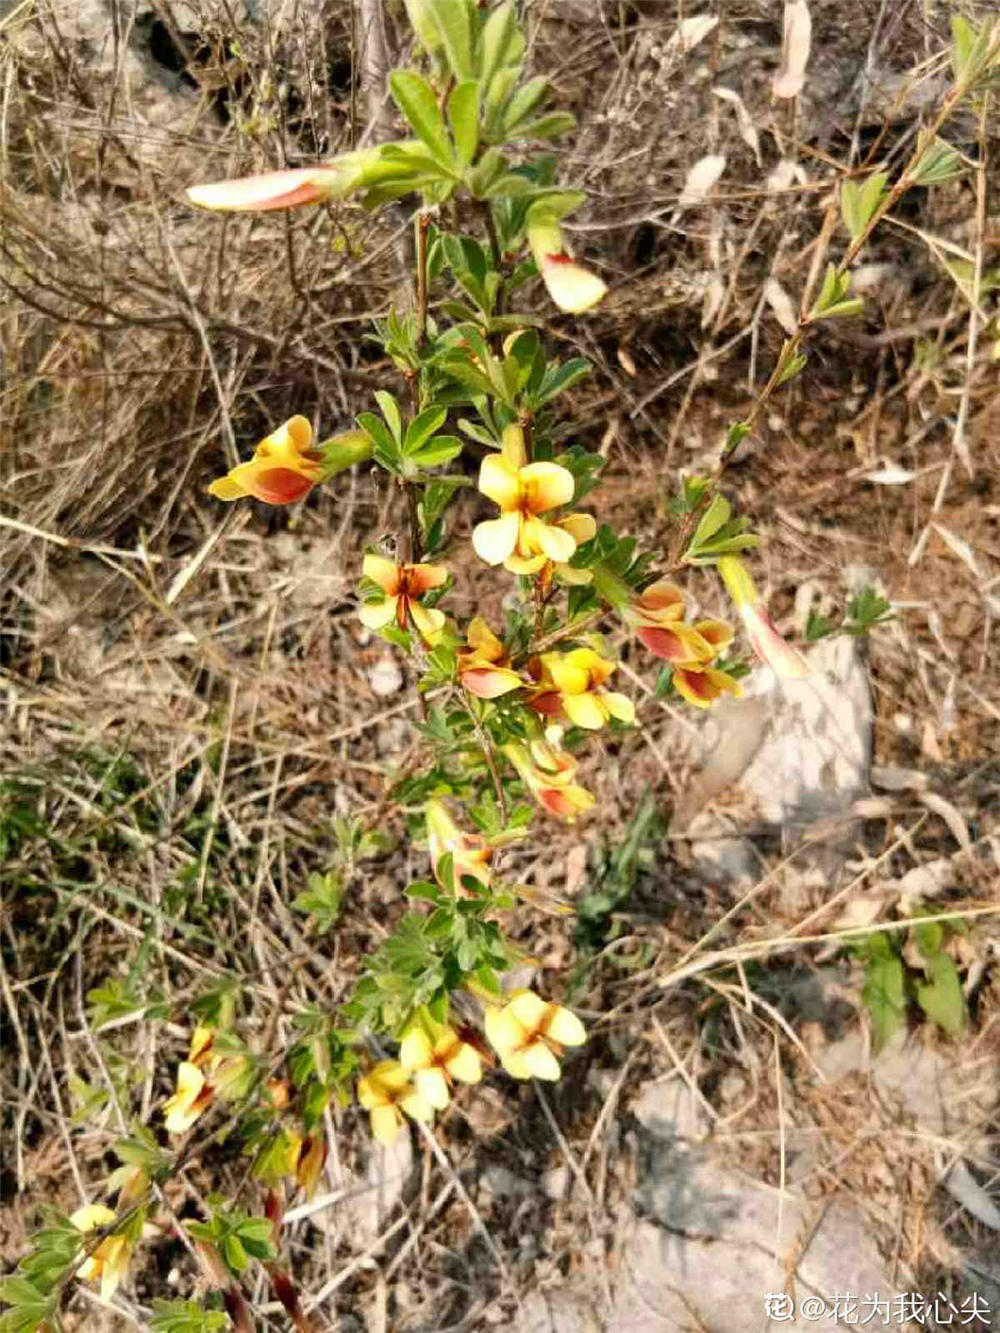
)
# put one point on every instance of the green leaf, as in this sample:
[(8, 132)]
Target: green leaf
[(557, 379), (386, 450), (882, 993), (454, 21), (422, 427), (833, 302), (859, 201), (186, 1317), (715, 517), (524, 102), (438, 451), (818, 627), (941, 998), (938, 163), (793, 368), (487, 172), (322, 899), (500, 42), (735, 435), (415, 98), (463, 116), (390, 410), (551, 126)]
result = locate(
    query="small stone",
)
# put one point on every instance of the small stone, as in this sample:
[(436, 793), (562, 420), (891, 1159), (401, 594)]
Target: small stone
[(385, 677), (556, 1182)]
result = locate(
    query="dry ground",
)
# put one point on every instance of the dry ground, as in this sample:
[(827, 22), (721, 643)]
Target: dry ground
[(189, 700)]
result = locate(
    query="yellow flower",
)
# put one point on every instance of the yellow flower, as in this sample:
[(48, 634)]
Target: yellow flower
[(402, 585), (582, 528), (577, 679), (433, 1054), (483, 667), (286, 465), (470, 852), (528, 1034), (548, 775), (571, 286), (109, 1261), (386, 1093), (520, 539), (767, 643), (192, 1097), (702, 685)]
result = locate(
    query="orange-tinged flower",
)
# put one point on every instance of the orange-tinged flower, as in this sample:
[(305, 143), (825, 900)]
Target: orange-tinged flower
[(192, 1097), (529, 1034), (572, 287), (402, 585), (386, 1093), (484, 666), (284, 468), (548, 774), (766, 642), (470, 852), (434, 1055), (577, 679), (109, 1261), (658, 618), (521, 539), (702, 685)]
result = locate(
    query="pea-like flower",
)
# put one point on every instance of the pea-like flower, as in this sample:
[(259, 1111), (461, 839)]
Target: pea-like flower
[(402, 586), (577, 689), (361, 169), (657, 615), (572, 287), (702, 685), (529, 1034), (286, 466), (766, 642), (434, 1055), (470, 853), (548, 774), (484, 666), (109, 1261), (192, 1097), (521, 539), (388, 1092)]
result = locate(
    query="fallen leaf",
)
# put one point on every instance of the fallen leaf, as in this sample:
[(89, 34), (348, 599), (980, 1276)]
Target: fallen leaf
[(892, 475), (702, 176), (781, 303), (748, 130), (951, 816), (690, 32), (962, 549), (790, 78)]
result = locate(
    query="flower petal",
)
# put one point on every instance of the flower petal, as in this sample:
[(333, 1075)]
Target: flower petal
[(386, 1124), (557, 545), (572, 287), (421, 578), (568, 675), (432, 1089), (619, 706), (546, 486), (529, 1009), (417, 1107), (503, 1031), (541, 1063), (91, 1216), (563, 1026), (490, 682), (483, 641), (382, 571), (494, 540), (585, 710), (662, 596), (428, 620), (271, 189), (718, 634), (465, 1064), (228, 488), (415, 1050), (678, 644), (524, 565), (278, 485), (581, 527), (376, 615), (499, 481)]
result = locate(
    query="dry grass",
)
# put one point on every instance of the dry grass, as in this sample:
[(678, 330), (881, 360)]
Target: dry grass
[(188, 700)]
